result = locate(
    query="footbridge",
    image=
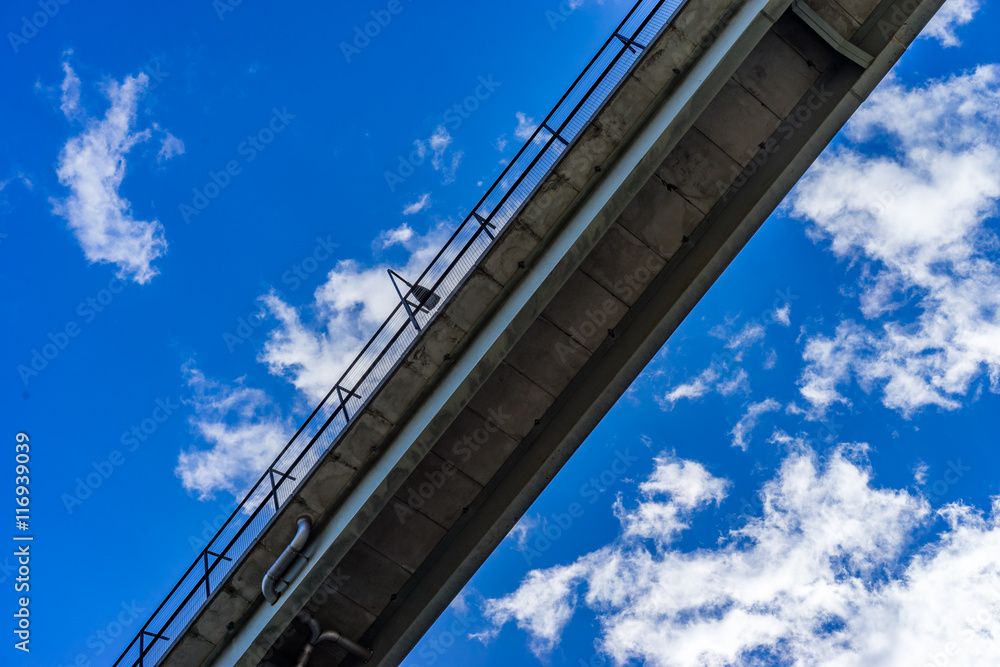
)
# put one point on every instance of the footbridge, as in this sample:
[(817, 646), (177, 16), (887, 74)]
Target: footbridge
[(682, 135)]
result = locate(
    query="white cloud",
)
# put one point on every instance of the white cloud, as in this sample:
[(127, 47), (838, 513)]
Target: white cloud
[(522, 530), (543, 604), (783, 315), (169, 146), (745, 426), (825, 576), (69, 100), (439, 144), (736, 382), (396, 236), (421, 148), (752, 332), (92, 165), (310, 348), (829, 362), (244, 431), (526, 126), (693, 389), (312, 352), (953, 14), (919, 220), (423, 201), (717, 377), (687, 485), (18, 177)]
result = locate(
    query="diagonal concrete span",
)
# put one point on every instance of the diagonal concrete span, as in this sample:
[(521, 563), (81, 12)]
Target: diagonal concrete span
[(719, 115)]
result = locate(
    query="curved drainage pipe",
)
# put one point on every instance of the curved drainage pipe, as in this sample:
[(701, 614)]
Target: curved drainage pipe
[(329, 636), (287, 558)]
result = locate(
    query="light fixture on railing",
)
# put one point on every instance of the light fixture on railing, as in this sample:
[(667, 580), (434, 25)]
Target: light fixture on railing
[(426, 299)]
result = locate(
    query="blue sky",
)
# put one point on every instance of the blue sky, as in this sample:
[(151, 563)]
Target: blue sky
[(196, 219)]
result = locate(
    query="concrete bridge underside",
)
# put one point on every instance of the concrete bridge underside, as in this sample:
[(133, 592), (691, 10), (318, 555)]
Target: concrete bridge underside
[(702, 140)]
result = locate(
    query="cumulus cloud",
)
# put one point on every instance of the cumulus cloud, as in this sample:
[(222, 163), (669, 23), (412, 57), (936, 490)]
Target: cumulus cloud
[(826, 575), (686, 485), (953, 14), (244, 431), (748, 422), (92, 165), (918, 219), (312, 346)]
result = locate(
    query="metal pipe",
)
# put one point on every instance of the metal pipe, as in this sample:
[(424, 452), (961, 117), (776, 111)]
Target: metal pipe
[(313, 639), (353, 648), (317, 637), (291, 553)]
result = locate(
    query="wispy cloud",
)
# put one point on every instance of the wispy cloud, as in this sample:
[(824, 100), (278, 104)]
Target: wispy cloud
[(423, 202), (526, 126), (439, 143), (717, 377), (92, 165), (522, 531), (694, 388), (69, 100), (170, 146), (748, 422)]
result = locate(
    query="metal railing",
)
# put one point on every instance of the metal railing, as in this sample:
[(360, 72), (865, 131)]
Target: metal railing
[(388, 346)]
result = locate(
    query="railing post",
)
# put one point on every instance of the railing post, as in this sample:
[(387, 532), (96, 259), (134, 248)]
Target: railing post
[(392, 276), (142, 643), (206, 553), (484, 225), (554, 134), (630, 43), (274, 485), (423, 295), (343, 401)]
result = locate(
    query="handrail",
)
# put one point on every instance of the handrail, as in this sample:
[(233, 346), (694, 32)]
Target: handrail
[(386, 348)]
